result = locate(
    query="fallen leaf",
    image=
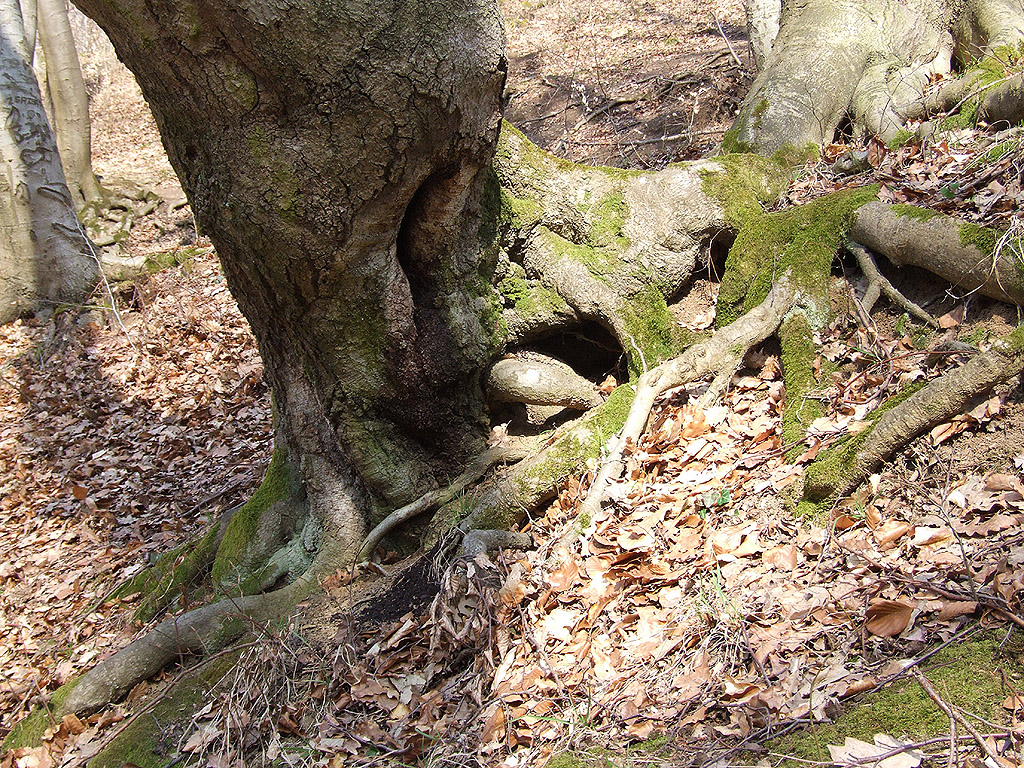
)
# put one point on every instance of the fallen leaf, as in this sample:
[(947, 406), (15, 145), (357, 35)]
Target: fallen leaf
[(855, 752), (887, 618), (891, 531)]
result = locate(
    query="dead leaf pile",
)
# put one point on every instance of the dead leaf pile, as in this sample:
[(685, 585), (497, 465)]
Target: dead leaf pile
[(102, 426)]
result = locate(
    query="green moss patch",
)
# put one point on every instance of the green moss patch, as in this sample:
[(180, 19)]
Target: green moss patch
[(915, 212), (229, 566), (968, 675), (172, 574), (151, 740), (798, 354), (804, 239)]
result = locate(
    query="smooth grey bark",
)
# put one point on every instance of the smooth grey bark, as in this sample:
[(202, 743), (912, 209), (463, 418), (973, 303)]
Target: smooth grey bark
[(863, 60), (44, 257), (70, 103)]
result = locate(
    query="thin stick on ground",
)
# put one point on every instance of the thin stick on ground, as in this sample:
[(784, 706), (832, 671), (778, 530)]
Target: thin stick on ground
[(879, 285), (722, 355), (950, 712)]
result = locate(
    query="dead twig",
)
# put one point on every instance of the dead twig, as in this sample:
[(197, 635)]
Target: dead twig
[(953, 714)]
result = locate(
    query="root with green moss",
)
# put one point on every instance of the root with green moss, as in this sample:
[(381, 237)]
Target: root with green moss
[(204, 630), (842, 469), (971, 257), (514, 451)]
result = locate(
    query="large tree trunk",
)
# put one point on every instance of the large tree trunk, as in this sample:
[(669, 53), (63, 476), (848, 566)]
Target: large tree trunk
[(866, 61), (337, 156), (44, 256)]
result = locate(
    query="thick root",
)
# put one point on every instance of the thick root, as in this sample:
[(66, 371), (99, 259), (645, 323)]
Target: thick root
[(843, 468), (535, 379), (970, 257), (202, 631)]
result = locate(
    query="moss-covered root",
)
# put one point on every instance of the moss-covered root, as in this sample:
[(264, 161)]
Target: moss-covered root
[(531, 482), (150, 741), (969, 256), (204, 630), (843, 468), (173, 573), (264, 540), (514, 451), (720, 355)]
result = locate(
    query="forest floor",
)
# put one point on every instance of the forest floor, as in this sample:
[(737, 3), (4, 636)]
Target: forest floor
[(702, 619)]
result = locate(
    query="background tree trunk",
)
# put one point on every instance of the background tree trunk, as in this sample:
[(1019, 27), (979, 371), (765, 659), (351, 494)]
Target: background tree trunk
[(863, 60), (44, 257), (69, 101)]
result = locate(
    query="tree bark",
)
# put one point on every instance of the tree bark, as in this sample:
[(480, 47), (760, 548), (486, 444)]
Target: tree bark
[(44, 257), (866, 61), (70, 103), (337, 157)]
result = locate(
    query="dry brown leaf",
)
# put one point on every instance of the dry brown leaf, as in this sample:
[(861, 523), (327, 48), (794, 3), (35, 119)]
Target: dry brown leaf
[(783, 557), (855, 752), (1003, 482), (891, 531), (1014, 703), (954, 608), (953, 318), (888, 618)]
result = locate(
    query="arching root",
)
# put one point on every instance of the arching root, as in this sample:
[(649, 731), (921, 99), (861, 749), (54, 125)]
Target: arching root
[(878, 285), (720, 355), (842, 469), (204, 630), (514, 451), (970, 257)]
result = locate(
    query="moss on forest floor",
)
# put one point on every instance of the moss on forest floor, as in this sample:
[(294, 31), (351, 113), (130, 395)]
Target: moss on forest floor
[(969, 675), (976, 675)]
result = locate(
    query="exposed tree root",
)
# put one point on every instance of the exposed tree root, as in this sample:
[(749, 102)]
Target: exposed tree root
[(720, 355), (534, 379), (878, 285), (514, 451), (843, 468), (204, 630), (968, 256)]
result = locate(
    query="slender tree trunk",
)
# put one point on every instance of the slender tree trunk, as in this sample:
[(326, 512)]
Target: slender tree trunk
[(44, 257), (70, 103)]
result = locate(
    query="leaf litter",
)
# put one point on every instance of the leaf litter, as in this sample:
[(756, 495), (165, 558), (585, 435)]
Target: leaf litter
[(102, 428), (694, 606)]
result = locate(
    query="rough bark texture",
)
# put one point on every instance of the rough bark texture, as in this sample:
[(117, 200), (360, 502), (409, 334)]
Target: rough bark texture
[(336, 156), (44, 257)]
